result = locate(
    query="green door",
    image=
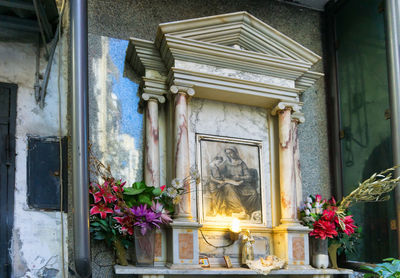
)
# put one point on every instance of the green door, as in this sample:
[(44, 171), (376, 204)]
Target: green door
[(365, 119)]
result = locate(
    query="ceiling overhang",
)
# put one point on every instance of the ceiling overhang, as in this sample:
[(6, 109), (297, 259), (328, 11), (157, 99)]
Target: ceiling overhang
[(233, 57)]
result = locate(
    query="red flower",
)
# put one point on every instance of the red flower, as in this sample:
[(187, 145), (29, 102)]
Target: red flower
[(318, 198), (324, 229), (126, 223), (329, 215), (349, 225), (117, 187), (101, 209), (96, 195), (162, 188)]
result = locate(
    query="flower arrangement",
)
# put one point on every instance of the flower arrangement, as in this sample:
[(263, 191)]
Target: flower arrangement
[(320, 215), (117, 209), (332, 220)]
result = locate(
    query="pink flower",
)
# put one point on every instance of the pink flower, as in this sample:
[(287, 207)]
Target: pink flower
[(100, 209), (318, 198), (162, 188)]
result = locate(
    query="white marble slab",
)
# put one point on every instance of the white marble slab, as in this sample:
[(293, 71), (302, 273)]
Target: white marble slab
[(129, 270), (231, 120)]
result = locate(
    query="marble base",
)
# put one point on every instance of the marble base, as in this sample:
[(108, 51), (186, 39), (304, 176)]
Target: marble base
[(160, 246), (226, 272), (291, 244), (183, 245)]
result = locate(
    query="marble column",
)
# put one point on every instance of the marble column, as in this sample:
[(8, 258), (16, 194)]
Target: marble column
[(181, 147), (183, 233), (297, 118), (286, 164), (152, 149), (290, 237)]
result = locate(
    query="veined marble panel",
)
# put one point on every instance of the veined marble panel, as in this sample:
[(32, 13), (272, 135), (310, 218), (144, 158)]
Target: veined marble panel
[(243, 75), (231, 120)]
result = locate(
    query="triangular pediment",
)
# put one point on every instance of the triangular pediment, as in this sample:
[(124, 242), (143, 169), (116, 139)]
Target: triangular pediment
[(239, 30), (233, 53)]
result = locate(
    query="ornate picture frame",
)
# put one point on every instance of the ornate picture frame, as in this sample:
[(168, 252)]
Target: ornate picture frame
[(232, 182)]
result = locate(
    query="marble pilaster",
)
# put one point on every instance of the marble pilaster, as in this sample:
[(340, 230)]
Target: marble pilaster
[(183, 249), (152, 151), (181, 147), (286, 162), (297, 118), (290, 237), (152, 164)]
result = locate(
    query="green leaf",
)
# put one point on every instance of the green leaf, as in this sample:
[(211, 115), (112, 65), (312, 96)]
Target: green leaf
[(133, 191), (139, 185), (99, 236), (145, 199), (157, 191)]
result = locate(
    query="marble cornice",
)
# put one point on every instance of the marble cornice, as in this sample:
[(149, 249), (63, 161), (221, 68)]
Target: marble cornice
[(220, 55), (143, 55), (222, 88), (308, 79)]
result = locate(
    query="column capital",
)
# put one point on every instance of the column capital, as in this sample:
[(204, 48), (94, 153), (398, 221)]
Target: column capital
[(295, 107), (298, 117), (182, 89), (148, 96)]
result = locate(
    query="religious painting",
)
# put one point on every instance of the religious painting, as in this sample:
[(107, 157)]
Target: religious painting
[(231, 180)]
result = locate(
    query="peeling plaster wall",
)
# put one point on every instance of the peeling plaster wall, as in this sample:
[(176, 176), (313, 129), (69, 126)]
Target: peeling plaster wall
[(36, 239), (115, 124)]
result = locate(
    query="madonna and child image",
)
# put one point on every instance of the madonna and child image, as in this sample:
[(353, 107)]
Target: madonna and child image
[(231, 186)]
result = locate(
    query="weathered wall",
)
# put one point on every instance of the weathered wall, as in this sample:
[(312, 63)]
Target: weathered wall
[(36, 239)]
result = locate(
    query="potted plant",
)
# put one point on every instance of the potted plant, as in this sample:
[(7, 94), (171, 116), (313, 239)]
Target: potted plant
[(320, 216), (332, 221)]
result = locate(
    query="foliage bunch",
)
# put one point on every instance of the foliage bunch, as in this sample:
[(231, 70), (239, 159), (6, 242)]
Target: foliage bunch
[(374, 189), (390, 268)]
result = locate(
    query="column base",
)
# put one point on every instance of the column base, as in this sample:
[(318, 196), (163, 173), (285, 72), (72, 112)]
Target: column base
[(291, 244), (183, 245), (160, 246)]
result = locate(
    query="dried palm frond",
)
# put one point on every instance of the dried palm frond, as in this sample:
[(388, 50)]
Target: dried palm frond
[(97, 168), (374, 189)]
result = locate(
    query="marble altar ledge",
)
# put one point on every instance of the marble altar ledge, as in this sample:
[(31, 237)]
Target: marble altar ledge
[(160, 271)]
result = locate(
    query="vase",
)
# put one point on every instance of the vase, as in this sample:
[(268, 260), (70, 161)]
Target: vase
[(120, 252), (319, 253), (144, 247), (332, 250)]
